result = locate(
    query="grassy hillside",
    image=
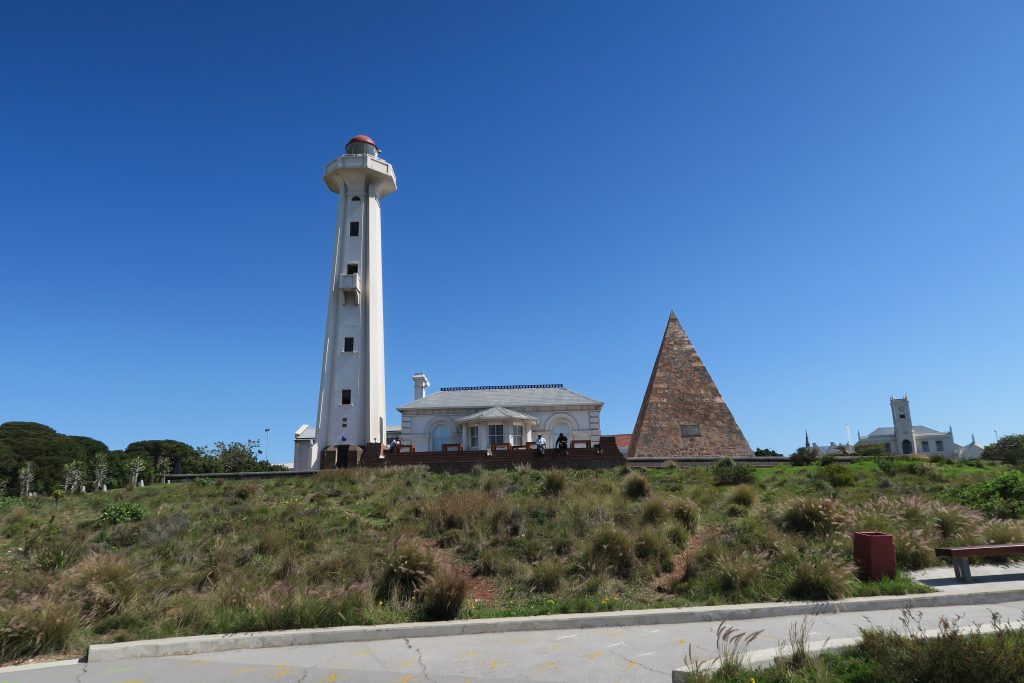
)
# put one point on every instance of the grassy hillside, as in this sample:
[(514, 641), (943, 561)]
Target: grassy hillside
[(353, 546)]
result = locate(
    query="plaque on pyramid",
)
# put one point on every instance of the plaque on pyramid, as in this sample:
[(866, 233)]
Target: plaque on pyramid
[(683, 413)]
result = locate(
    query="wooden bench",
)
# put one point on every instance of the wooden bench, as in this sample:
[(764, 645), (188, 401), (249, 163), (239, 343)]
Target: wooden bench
[(962, 555)]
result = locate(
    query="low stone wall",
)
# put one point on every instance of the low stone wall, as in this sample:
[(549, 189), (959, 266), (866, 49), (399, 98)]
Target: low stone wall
[(171, 478), (603, 456), (708, 461)]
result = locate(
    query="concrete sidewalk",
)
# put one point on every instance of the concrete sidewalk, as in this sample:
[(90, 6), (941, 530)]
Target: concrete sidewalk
[(636, 653), (638, 645), (1007, 576)]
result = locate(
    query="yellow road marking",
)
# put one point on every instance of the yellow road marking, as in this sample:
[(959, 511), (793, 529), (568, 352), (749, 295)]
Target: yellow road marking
[(408, 662), (494, 664), (595, 655), (330, 678), (360, 652), (630, 665), (246, 670), (548, 666), (682, 642), (467, 655)]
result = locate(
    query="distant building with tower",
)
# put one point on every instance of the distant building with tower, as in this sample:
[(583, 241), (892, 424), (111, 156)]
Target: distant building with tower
[(906, 438)]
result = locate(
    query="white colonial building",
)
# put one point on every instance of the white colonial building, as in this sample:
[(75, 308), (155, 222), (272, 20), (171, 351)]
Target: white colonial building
[(906, 438), (479, 417)]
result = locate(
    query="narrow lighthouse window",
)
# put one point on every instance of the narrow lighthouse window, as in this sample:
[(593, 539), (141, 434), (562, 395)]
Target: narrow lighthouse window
[(346, 397), (356, 199), (352, 269), (353, 229), (350, 344)]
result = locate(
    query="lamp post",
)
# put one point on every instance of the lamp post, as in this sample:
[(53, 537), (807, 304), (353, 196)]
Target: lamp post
[(266, 430)]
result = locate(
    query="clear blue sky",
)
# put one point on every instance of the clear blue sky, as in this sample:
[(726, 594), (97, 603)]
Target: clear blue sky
[(828, 194)]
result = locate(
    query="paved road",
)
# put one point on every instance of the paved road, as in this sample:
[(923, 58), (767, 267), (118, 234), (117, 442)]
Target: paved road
[(634, 653)]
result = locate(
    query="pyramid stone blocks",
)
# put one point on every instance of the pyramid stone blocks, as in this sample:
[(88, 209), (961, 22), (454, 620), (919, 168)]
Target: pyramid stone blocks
[(683, 413)]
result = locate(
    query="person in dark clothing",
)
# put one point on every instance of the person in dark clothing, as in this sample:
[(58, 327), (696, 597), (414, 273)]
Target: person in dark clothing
[(561, 443)]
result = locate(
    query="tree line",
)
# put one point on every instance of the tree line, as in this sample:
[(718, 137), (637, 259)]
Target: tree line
[(53, 461)]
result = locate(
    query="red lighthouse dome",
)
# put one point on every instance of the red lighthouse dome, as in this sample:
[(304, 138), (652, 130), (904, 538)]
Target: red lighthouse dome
[(362, 144)]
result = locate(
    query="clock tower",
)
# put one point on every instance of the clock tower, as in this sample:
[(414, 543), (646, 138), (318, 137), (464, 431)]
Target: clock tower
[(903, 426)]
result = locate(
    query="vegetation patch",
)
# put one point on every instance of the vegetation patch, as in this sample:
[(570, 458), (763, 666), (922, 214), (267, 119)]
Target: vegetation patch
[(401, 544), (956, 652), (1000, 496), (123, 512)]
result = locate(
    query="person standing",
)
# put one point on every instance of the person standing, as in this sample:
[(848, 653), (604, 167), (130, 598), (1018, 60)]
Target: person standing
[(541, 444)]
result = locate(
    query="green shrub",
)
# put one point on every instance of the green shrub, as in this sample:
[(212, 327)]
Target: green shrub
[(104, 585), (404, 573), (737, 572), (635, 485), (1009, 448), (546, 576), (959, 523), (887, 464), (915, 548), (247, 490), (679, 534), (442, 596), (123, 512), (735, 510), (726, 472), (687, 512), (610, 549), (743, 495), (1003, 531), (803, 456), (821, 578), (654, 547), (32, 629), (654, 511), (1001, 496), (957, 653), (838, 475), (56, 554), (814, 516), (554, 482)]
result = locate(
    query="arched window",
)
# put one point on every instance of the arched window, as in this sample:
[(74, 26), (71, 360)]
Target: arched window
[(356, 199), (558, 426), (439, 436), (908, 447)]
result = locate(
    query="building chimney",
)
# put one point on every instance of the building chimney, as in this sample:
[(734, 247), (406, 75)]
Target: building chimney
[(419, 386)]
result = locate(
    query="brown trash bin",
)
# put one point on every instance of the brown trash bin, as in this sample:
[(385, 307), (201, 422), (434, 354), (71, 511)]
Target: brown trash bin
[(875, 555)]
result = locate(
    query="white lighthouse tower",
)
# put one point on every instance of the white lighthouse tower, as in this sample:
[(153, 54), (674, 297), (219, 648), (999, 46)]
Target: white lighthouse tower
[(351, 409)]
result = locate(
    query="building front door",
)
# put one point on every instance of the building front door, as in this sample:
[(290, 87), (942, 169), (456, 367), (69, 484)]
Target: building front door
[(908, 447)]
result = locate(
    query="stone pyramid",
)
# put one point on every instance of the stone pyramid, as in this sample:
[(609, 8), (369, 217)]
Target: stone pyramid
[(683, 412)]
